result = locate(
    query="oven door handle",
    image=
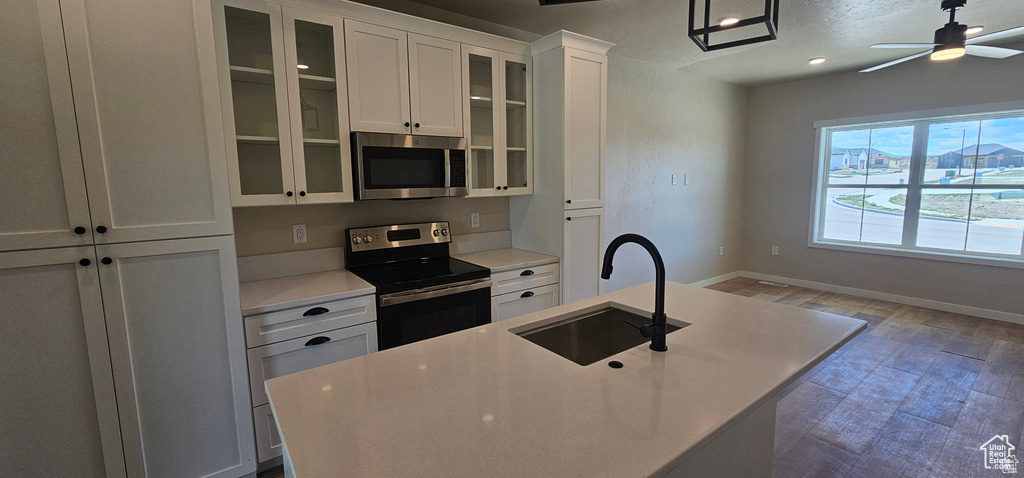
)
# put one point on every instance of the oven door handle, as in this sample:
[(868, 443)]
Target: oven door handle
[(433, 292)]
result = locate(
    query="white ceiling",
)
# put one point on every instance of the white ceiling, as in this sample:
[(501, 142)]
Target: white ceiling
[(840, 30)]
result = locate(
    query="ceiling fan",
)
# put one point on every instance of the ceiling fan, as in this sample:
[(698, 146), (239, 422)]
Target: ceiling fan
[(951, 41)]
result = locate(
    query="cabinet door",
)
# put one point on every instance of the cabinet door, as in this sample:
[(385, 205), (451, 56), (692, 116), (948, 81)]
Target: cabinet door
[(178, 354), (378, 78), (59, 415), (511, 305), (42, 187), (482, 119), (517, 97), (268, 439), (318, 105), (585, 108), (251, 71), (581, 263), (435, 86), (146, 99)]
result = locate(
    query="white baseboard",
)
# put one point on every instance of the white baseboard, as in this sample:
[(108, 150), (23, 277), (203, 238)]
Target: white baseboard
[(715, 280), (870, 294)]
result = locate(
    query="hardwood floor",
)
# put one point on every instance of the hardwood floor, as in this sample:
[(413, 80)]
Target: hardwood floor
[(915, 394)]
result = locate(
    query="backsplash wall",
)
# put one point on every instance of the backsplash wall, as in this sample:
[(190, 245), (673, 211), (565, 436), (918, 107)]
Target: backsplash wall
[(268, 230)]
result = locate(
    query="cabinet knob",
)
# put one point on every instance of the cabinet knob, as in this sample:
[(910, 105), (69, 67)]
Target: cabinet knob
[(289, 194), (526, 294), (84, 262), (101, 229), (79, 230), (106, 261), (568, 201), (568, 219), (417, 125), (406, 124), (498, 188), (302, 193), (317, 341)]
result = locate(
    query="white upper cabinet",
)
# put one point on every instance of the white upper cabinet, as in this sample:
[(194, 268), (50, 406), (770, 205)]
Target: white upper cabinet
[(435, 85), (150, 129), (282, 82), (586, 76), (497, 90), (177, 347), (378, 82), (40, 161), (401, 82), (59, 416)]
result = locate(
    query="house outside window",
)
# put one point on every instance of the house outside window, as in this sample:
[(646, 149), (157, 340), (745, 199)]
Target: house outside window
[(949, 187)]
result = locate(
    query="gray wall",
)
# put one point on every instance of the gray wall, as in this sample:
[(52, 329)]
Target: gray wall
[(780, 158), (663, 121)]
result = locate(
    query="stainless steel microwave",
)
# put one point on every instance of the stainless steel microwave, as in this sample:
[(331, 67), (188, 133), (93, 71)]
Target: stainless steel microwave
[(399, 166)]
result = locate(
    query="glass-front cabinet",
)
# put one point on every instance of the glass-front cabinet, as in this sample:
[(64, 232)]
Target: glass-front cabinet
[(498, 122), (280, 72)]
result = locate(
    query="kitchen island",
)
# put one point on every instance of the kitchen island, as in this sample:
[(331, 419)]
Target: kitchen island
[(487, 402)]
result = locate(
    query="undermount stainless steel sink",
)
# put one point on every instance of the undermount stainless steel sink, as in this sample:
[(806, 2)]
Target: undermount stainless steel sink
[(593, 334)]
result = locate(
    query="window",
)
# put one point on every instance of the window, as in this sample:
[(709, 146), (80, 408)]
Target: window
[(943, 185)]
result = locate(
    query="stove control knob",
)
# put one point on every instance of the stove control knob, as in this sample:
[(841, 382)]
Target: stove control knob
[(357, 240), (437, 232), (368, 239), (444, 232)]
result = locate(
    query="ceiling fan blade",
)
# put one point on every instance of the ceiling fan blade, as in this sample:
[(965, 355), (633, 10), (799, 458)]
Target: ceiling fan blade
[(997, 35), (896, 62), (991, 51), (902, 45)]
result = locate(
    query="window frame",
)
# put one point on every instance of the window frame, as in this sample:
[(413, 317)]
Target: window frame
[(920, 120)]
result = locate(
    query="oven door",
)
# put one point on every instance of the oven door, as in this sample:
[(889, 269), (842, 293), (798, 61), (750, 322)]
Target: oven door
[(389, 166), (411, 316)]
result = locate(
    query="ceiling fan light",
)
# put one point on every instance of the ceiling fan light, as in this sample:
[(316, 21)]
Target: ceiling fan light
[(948, 53), (817, 61), (974, 29)]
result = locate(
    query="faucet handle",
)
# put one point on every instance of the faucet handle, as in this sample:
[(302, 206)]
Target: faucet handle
[(647, 331)]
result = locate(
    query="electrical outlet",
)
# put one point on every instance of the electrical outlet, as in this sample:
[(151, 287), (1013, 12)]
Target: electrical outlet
[(299, 234), (721, 250), (675, 179), (775, 250), (474, 219)]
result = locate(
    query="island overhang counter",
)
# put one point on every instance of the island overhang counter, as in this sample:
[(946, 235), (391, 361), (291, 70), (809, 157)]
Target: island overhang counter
[(487, 402)]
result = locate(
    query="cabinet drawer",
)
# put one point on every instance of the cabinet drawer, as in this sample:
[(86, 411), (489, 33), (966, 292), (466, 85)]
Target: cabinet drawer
[(299, 322), (514, 304), (524, 278), (307, 352), (268, 440)]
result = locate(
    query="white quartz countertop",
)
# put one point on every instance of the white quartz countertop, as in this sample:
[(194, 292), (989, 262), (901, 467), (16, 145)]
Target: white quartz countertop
[(485, 402), (501, 260), (260, 297)]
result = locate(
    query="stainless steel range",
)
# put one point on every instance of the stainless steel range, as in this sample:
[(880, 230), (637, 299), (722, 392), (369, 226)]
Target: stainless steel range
[(421, 291)]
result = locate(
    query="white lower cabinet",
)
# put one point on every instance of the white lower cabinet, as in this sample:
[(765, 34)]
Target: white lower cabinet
[(59, 417), (178, 354), (507, 306), (582, 255), (298, 339)]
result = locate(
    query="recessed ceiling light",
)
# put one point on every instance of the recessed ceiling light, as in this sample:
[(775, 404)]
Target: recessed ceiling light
[(817, 61), (728, 21), (975, 29), (302, 67)]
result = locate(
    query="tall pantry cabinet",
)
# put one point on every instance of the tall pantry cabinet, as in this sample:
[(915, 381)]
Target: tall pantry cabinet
[(120, 334), (565, 215)]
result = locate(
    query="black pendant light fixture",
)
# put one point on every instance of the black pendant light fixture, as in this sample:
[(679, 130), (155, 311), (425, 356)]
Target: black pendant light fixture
[(761, 28)]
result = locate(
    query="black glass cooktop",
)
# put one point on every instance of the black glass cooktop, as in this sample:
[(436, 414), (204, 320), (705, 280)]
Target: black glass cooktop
[(417, 274)]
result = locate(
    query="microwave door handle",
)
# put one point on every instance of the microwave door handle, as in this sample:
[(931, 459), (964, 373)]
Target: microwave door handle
[(447, 168)]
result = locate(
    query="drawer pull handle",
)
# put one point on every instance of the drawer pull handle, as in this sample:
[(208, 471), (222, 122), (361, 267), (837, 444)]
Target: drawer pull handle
[(526, 294), (317, 341), (527, 272), (315, 311)]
